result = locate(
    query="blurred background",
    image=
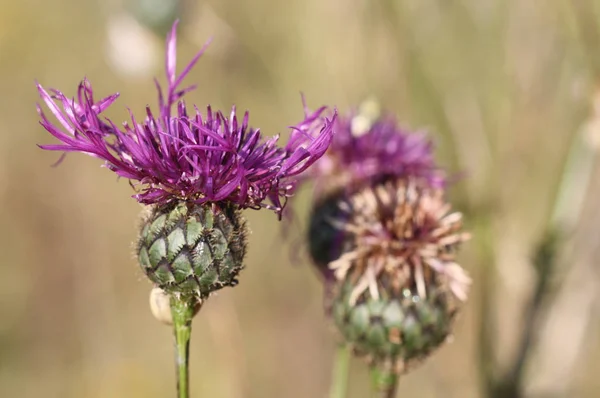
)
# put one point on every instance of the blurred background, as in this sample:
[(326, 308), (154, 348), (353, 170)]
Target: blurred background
[(508, 90)]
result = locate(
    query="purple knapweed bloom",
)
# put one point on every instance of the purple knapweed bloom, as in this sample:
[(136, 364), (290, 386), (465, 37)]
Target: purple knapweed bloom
[(186, 155), (365, 151)]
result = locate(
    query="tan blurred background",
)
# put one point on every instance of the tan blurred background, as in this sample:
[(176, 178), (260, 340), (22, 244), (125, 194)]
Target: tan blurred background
[(504, 86)]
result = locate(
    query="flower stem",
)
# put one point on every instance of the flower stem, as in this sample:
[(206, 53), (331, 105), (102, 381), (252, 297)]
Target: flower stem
[(182, 311), (385, 382), (341, 366)]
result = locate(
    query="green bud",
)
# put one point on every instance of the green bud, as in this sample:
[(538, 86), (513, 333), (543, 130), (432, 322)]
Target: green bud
[(192, 249), (400, 329)]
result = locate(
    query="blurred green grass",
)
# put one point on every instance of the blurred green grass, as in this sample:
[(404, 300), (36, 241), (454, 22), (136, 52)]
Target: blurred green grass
[(503, 87)]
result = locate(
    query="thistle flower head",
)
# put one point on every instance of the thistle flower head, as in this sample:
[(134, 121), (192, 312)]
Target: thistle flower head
[(368, 148), (197, 171), (183, 154)]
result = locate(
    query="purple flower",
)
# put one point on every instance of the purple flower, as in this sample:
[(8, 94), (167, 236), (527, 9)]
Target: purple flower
[(183, 154), (367, 151)]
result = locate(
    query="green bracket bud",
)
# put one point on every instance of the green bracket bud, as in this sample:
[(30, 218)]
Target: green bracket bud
[(402, 329), (191, 249)]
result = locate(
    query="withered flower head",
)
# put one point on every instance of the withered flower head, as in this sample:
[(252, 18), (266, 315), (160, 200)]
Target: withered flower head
[(398, 285)]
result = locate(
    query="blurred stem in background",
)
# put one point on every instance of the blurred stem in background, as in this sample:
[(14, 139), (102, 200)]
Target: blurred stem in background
[(341, 367), (572, 190), (566, 213), (511, 384)]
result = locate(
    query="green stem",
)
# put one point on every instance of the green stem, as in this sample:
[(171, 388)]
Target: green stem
[(385, 382), (182, 311), (341, 367)]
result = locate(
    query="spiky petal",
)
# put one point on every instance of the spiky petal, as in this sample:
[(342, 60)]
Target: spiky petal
[(183, 154)]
